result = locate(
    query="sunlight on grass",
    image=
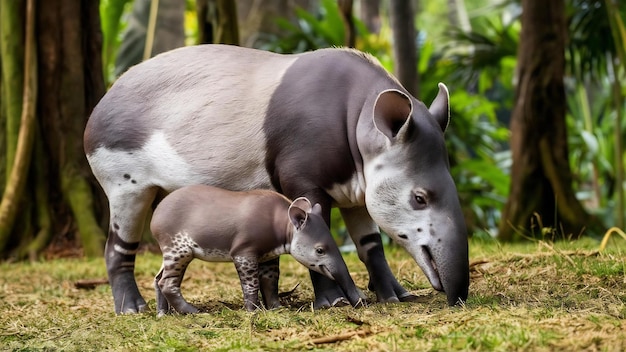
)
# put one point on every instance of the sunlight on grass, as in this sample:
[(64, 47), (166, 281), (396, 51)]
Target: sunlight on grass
[(535, 295)]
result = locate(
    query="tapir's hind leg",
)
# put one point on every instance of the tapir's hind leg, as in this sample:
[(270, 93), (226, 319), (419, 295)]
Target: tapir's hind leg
[(163, 306), (129, 208), (365, 234)]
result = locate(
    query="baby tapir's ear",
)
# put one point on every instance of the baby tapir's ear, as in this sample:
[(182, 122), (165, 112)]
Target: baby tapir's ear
[(302, 203), (298, 212)]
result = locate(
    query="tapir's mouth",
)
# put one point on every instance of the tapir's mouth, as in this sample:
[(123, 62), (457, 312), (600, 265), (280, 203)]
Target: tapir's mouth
[(430, 269), (324, 270)]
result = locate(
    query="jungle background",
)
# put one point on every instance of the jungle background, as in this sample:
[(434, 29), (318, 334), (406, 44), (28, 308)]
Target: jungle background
[(537, 129)]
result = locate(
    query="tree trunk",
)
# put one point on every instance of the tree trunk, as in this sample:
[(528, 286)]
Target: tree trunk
[(402, 16), (370, 15), (25, 128), (71, 73), (345, 8), (12, 52), (62, 198), (542, 201), (217, 22)]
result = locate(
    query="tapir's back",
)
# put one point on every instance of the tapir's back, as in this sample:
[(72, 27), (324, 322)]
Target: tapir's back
[(189, 116), (224, 115), (183, 90)]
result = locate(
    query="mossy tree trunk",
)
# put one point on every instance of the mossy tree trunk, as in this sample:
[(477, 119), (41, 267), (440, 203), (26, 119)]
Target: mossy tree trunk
[(542, 201), (60, 200)]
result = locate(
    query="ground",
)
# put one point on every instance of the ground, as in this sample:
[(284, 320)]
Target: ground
[(531, 296)]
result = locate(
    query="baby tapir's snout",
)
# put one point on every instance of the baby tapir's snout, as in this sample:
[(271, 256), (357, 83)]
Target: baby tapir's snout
[(251, 229)]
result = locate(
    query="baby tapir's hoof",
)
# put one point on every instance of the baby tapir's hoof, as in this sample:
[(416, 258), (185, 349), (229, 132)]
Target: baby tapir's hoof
[(184, 309)]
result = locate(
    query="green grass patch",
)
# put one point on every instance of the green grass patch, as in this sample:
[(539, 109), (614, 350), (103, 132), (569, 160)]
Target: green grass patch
[(529, 296)]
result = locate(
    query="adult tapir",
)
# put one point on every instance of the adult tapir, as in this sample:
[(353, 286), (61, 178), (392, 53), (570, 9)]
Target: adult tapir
[(330, 125)]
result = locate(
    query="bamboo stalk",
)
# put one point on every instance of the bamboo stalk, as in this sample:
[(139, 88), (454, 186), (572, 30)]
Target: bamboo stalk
[(154, 10)]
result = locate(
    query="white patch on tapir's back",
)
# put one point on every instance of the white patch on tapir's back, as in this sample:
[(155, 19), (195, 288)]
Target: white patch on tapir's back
[(155, 164), (207, 126)]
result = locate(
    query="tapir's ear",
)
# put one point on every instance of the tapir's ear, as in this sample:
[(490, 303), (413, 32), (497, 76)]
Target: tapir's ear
[(392, 113), (317, 209), (298, 212), (440, 107)]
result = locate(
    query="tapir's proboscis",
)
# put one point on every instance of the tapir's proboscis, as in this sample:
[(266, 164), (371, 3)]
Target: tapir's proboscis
[(250, 229), (330, 125)]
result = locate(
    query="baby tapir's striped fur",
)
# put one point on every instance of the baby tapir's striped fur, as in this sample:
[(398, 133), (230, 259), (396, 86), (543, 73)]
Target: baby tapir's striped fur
[(250, 229), (331, 125)]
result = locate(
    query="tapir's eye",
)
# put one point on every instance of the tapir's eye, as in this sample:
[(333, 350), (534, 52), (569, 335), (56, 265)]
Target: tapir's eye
[(419, 200), (319, 250)]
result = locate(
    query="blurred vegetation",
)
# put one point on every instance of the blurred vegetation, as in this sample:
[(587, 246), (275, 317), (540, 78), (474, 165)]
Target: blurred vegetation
[(478, 65)]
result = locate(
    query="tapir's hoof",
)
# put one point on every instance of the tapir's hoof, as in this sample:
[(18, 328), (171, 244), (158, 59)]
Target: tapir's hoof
[(134, 310), (187, 309), (274, 306), (410, 298), (324, 303), (392, 299)]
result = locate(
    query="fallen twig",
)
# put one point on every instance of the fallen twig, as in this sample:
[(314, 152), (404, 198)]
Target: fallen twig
[(90, 284), (340, 337)]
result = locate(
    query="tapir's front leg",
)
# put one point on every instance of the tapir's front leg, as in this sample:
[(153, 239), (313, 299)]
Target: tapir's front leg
[(365, 234), (327, 292), (248, 270), (120, 262)]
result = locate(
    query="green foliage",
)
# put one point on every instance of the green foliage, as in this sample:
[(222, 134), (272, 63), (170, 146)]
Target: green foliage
[(311, 31), (111, 12), (595, 101), (478, 68)]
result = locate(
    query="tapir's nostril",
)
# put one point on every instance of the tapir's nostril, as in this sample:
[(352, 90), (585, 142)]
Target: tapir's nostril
[(405, 237), (419, 229)]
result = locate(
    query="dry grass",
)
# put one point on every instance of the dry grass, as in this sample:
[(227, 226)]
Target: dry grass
[(534, 296)]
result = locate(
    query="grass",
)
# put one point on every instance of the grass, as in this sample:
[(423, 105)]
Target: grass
[(531, 296)]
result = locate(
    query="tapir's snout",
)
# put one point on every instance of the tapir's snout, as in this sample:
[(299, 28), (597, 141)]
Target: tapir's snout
[(444, 260)]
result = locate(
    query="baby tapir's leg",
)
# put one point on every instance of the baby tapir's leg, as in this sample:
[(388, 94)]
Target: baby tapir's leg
[(248, 270), (169, 279), (268, 276), (163, 306)]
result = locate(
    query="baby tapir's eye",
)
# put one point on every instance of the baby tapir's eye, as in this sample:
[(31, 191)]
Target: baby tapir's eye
[(319, 250)]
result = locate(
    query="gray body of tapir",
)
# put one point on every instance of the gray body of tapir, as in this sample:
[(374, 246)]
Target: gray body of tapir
[(250, 229), (330, 125)]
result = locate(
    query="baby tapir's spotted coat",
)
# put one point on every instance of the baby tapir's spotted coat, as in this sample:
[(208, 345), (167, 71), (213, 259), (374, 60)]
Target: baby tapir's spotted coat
[(249, 228)]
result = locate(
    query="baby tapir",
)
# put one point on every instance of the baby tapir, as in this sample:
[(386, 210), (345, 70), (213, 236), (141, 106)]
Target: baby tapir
[(249, 228)]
